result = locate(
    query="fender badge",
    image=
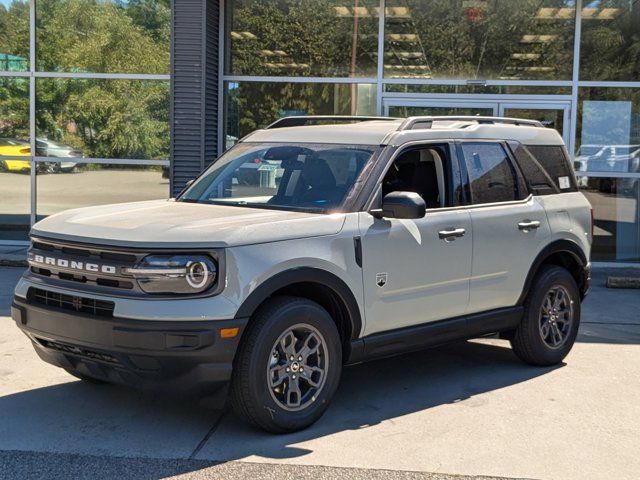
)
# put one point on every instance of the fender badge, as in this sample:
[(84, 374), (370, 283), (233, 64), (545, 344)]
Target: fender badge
[(381, 279)]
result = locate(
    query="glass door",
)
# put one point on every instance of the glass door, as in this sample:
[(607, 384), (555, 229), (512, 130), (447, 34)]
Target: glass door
[(551, 115), (404, 108)]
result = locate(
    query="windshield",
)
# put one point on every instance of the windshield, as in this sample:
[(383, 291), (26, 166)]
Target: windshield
[(302, 177)]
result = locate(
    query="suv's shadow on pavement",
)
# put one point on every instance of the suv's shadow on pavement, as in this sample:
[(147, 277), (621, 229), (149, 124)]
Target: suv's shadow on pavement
[(104, 419)]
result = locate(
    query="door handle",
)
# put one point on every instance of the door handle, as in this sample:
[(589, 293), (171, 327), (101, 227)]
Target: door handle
[(529, 225), (451, 233)]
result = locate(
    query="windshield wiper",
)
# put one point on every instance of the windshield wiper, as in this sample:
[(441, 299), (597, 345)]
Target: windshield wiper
[(266, 206)]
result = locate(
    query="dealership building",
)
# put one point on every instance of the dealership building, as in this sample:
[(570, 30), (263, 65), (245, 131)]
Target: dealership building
[(105, 101)]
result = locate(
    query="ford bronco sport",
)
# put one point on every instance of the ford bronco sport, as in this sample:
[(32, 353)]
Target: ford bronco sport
[(311, 244)]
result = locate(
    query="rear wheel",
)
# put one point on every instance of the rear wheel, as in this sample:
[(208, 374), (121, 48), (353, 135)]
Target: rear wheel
[(551, 320), (3, 166), (288, 366)]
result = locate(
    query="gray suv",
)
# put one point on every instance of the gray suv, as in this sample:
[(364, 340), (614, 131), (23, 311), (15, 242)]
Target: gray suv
[(315, 243)]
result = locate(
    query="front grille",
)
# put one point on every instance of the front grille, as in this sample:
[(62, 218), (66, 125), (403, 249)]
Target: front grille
[(71, 303), (75, 350), (75, 257)]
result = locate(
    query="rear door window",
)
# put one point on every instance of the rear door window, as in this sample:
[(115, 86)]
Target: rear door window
[(491, 175)]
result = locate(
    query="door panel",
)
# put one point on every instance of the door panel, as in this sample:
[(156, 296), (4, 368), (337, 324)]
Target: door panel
[(427, 277), (503, 251)]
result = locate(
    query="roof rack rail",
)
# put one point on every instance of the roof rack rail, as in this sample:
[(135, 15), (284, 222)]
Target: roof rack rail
[(304, 120), (416, 123)]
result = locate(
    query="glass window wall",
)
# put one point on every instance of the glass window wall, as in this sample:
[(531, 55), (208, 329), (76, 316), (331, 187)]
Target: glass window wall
[(14, 36), (253, 105), (102, 118), (87, 184), (82, 111), (610, 41), (479, 39), (130, 36), (302, 38), (608, 166), (15, 159)]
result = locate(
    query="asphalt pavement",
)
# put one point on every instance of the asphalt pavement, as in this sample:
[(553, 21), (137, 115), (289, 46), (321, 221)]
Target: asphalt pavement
[(467, 409)]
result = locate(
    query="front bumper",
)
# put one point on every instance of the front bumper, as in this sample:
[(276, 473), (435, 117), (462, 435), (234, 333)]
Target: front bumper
[(186, 357)]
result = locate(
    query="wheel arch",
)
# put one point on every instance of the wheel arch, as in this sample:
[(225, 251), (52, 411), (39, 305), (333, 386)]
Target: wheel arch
[(320, 286), (566, 254)]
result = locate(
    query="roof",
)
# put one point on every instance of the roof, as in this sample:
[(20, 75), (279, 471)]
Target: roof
[(371, 132), (390, 132)]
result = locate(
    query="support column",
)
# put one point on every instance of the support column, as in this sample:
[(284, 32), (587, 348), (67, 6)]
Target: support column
[(194, 88)]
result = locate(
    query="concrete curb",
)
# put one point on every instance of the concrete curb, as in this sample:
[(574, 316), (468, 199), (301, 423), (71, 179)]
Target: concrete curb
[(623, 282)]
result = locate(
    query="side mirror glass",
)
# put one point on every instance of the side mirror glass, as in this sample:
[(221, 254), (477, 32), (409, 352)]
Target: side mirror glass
[(406, 205)]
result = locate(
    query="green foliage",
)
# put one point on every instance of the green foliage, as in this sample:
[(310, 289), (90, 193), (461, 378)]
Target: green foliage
[(101, 118)]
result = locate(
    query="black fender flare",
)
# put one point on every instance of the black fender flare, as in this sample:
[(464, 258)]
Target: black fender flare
[(304, 275), (557, 246)]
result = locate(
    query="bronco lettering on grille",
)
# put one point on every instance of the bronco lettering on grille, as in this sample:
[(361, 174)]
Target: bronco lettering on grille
[(73, 265)]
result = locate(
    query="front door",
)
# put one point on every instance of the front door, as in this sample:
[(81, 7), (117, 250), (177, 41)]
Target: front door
[(417, 271)]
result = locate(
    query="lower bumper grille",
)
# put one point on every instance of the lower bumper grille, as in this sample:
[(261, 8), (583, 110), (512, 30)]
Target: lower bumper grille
[(75, 350), (87, 306)]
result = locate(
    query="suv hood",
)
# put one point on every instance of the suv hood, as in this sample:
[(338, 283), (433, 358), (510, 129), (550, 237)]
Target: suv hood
[(170, 224)]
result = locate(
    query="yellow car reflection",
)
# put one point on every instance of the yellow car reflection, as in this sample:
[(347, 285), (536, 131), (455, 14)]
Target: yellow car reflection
[(12, 147)]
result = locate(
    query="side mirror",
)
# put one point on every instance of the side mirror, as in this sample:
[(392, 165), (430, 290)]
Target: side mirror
[(401, 205)]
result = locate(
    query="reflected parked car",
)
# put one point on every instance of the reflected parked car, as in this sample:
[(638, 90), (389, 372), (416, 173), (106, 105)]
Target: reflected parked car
[(14, 148), (605, 159), (49, 148)]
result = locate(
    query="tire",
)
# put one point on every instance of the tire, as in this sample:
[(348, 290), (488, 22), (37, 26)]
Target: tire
[(3, 166), (263, 374), (542, 338), (85, 378)]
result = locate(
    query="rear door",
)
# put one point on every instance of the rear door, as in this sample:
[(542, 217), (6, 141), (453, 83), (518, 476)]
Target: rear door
[(509, 226)]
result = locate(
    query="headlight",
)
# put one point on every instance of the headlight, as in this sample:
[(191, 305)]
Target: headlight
[(181, 274)]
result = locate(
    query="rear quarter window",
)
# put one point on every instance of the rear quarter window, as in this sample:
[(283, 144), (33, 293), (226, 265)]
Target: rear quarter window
[(555, 162), (538, 181)]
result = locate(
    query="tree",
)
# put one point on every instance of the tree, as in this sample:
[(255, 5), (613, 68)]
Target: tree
[(102, 118)]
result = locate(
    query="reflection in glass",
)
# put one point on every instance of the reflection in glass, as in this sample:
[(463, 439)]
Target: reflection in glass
[(15, 206), (65, 186), (14, 35), (610, 44), (404, 111), (479, 39), (608, 130), (15, 157), (253, 105), (323, 38), (103, 118), (488, 89), (617, 217), (549, 117), (130, 36)]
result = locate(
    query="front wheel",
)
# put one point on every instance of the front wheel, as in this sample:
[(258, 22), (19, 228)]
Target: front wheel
[(551, 319), (288, 366)]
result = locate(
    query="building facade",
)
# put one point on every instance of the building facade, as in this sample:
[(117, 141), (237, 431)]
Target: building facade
[(121, 88)]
